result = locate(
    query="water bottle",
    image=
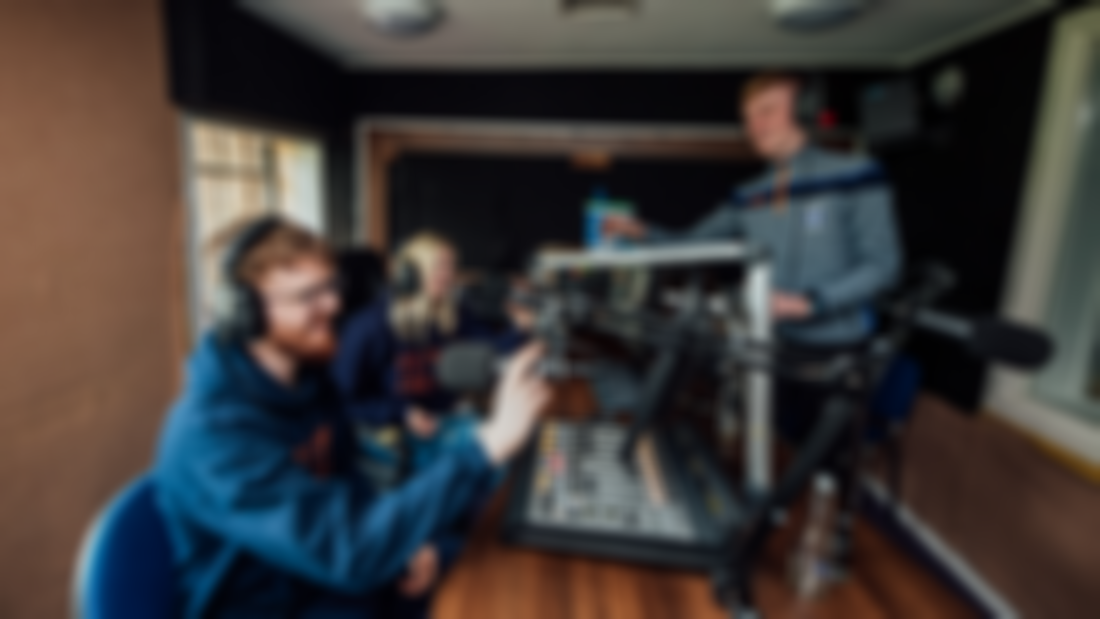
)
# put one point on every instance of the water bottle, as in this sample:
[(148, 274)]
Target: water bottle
[(594, 212), (812, 564), (598, 207)]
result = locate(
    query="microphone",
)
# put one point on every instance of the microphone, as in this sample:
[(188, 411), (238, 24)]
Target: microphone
[(997, 340), (473, 366), (467, 367)]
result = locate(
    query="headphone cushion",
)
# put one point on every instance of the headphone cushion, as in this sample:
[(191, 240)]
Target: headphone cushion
[(240, 313), (251, 313), (406, 279)]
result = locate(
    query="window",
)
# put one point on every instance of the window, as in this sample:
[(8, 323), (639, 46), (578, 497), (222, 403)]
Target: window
[(1073, 380), (1054, 281), (237, 172)]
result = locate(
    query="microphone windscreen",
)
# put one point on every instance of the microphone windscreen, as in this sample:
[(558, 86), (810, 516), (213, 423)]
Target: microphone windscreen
[(467, 366), (1011, 344)]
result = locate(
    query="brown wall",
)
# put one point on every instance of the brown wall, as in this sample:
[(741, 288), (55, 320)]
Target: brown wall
[(1028, 525), (89, 219)]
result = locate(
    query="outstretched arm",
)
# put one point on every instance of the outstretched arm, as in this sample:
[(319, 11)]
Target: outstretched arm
[(338, 533), (237, 480), (723, 223)]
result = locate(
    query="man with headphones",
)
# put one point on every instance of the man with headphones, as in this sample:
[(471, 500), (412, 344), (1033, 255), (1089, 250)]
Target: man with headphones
[(827, 222), (826, 218), (265, 508)]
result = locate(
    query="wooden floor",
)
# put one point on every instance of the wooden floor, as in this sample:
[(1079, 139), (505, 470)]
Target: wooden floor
[(1023, 521), (495, 581)]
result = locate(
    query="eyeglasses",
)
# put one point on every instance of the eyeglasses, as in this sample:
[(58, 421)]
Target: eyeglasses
[(312, 294)]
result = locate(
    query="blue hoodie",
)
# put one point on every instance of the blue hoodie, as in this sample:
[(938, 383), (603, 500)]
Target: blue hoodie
[(266, 515)]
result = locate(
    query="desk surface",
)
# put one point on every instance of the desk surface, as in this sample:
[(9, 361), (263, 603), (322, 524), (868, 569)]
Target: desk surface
[(496, 581)]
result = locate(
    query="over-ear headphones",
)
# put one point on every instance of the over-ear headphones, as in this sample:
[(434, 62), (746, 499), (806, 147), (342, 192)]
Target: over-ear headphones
[(405, 278), (241, 316), (408, 267), (810, 101)]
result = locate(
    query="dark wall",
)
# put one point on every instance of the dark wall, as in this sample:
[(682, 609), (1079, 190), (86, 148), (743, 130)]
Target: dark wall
[(224, 60), (624, 96), (498, 210), (225, 63), (960, 188)]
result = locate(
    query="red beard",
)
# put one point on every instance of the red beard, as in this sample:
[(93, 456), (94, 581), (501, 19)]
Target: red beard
[(313, 346)]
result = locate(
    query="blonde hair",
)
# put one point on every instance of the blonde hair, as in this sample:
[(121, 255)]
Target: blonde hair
[(768, 80), (415, 318)]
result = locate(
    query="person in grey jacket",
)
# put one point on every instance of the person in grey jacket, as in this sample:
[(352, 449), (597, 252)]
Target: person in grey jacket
[(826, 218)]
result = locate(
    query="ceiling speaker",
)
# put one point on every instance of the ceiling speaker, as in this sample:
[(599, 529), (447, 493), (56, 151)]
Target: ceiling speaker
[(816, 14), (404, 18)]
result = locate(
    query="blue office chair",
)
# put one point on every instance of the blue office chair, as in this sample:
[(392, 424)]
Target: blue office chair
[(125, 565), (891, 406)]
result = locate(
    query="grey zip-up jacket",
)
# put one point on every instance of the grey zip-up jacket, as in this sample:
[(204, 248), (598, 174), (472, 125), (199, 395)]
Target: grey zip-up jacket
[(832, 239)]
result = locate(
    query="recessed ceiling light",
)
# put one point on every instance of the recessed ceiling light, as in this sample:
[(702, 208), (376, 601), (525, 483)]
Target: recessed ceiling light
[(403, 17), (816, 14), (600, 9)]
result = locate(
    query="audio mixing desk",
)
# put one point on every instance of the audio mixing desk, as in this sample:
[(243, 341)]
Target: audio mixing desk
[(575, 494)]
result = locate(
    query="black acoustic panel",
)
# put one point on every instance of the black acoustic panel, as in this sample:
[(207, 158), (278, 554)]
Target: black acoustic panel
[(651, 95), (499, 209), (677, 193), (225, 61), (495, 209)]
